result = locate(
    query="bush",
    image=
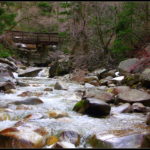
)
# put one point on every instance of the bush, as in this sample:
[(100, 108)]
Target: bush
[(4, 52)]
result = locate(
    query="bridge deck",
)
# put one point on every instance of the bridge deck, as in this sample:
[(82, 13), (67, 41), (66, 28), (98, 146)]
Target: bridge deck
[(34, 37)]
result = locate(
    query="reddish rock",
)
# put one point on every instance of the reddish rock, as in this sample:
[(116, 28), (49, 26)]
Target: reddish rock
[(23, 135)]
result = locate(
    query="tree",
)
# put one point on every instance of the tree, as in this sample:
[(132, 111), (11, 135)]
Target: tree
[(7, 19)]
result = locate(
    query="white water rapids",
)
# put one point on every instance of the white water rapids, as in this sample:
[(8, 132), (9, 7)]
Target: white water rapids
[(63, 101)]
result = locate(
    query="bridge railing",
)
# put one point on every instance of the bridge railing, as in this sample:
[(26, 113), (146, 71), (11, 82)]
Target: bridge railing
[(34, 37)]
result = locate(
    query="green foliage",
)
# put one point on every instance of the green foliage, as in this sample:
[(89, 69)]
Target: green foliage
[(63, 34), (124, 29), (46, 8), (7, 19), (65, 4), (4, 52)]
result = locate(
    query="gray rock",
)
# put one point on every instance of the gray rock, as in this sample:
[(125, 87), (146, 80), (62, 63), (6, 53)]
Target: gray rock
[(133, 96), (112, 141), (124, 108), (128, 65), (99, 94), (30, 72), (138, 107), (145, 77), (29, 101), (71, 137), (59, 86)]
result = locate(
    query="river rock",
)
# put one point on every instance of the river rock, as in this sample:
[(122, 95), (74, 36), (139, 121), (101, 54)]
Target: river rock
[(124, 108), (23, 135), (128, 65), (92, 107), (57, 114), (98, 72), (9, 64), (120, 89), (133, 96), (113, 141), (62, 145), (22, 84), (29, 101), (148, 119), (5, 86), (71, 137), (4, 116), (138, 107), (60, 67), (145, 77), (30, 72), (59, 86), (99, 94), (92, 80), (6, 74), (132, 80)]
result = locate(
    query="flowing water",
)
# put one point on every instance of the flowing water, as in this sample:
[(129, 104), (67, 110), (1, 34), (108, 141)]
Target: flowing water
[(63, 101)]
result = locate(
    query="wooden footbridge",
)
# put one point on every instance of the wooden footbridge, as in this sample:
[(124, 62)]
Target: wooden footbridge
[(36, 38)]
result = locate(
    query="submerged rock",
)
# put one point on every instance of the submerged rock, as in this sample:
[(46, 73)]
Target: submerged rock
[(134, 95), (29, 101)]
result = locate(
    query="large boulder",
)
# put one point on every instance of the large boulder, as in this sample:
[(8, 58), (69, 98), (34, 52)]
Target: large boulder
[(133, 96), (30, 72), (92, 107), (60, 67), (135, 140), (23, 135), (99, 94), (128, 65), (134, 65), (145, 77)]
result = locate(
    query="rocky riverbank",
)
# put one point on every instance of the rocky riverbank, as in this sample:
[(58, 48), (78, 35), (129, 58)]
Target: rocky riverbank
[(82, 109)]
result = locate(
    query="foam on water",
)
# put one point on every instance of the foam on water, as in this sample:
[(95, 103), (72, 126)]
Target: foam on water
[(63, 101)]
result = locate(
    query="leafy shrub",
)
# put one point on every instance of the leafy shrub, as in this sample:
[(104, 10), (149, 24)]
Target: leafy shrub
[(4, 52)]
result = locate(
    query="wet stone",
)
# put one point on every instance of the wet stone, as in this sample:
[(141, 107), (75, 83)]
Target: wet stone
[(124, 108), (134, 95), (138, 107), (92, 107), (112, 141), (29, 101), (23, 135), (70, 136)]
